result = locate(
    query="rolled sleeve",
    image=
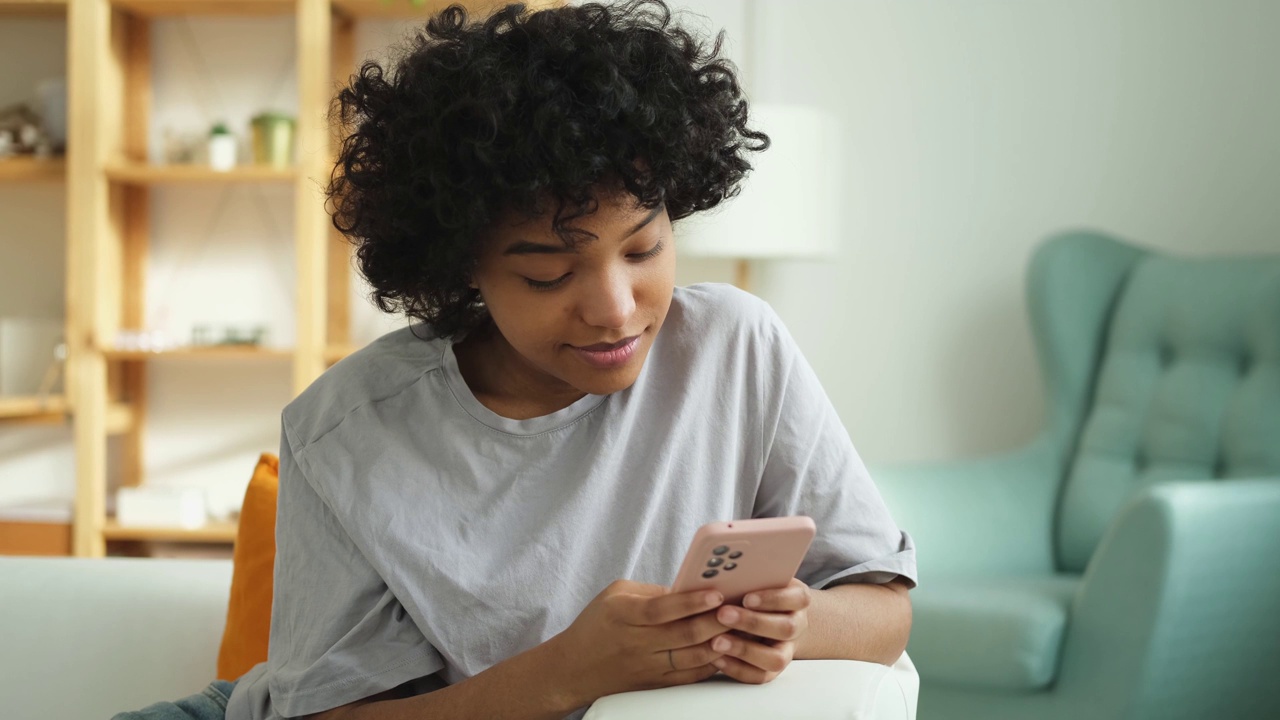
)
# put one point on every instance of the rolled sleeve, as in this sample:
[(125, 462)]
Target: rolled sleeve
[(338, 633), (811, 468)]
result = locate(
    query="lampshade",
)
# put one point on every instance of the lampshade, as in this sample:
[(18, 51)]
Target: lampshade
[(790, 205)]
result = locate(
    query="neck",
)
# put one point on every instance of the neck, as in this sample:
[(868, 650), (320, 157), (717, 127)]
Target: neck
[(505, 382)]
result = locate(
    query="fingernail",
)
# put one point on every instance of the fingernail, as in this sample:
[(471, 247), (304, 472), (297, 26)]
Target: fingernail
[(720, 644), (713, 598), (729, 615), (718, 663), (751, 601)]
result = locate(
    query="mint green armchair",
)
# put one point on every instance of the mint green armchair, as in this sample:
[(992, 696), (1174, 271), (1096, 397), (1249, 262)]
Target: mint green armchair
[(1126, 563)]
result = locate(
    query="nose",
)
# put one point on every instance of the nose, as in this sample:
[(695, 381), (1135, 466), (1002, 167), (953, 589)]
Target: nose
[(610, 301)]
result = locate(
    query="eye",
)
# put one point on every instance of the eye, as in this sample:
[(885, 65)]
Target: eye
[(648, 253), (546, 284)]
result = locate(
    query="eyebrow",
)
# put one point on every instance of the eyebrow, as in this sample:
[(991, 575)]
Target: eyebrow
[(525, 247)]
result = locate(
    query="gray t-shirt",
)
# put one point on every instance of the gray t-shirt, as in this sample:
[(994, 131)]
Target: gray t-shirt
[(420, 533)]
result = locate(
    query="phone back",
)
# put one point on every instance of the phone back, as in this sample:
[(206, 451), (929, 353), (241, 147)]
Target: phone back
[(740, 556)]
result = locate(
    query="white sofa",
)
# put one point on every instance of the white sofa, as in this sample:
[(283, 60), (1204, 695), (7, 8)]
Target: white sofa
[(90, 638)]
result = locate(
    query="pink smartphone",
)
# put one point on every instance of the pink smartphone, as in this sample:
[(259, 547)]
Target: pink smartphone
[(741, 556)]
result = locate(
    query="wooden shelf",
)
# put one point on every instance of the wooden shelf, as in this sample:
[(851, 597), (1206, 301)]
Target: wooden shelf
[(142, 174), (169, 8), (213, 352), (33, 8), (29, 169), (210, 533), (33, 410)]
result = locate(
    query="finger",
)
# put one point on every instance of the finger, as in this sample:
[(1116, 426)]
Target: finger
[(640, 610), (771, 625), (687, 658), (768, 657), (688, 677), (743, 672), (794, 596), (688, 631)]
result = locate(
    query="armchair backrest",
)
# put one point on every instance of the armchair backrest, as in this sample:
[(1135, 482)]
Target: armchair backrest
[(1186, 382)]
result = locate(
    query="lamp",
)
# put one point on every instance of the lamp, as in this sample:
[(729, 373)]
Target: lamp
[(790, 202)]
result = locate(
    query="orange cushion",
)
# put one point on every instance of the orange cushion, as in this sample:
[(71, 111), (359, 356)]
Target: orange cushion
[(244, 641)]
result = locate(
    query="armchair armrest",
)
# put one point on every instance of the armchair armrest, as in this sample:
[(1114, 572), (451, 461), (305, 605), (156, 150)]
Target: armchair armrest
[(1178, 612), (806, 690), (987, 516)]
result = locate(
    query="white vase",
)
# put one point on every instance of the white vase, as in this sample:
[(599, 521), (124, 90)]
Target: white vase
[(222, 152)]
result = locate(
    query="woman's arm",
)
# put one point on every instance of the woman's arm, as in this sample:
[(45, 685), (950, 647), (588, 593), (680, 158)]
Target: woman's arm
[(632, 636), (857, 621), (523, 686), (850, 622)]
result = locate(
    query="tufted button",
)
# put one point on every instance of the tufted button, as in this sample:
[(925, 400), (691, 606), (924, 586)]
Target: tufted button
[(1166, 354), (1246, 364), (1220, 467)]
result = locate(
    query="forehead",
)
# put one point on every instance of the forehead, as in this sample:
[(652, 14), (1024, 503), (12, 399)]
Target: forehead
[(615, 216)]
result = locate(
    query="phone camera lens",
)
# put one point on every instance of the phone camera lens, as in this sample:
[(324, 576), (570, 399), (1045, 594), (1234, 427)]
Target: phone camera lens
[(722, 550), (730, 566), (710, 573), (735, 554), (715, 562)]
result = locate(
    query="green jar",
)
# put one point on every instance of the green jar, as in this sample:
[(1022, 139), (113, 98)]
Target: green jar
[(273, 139)]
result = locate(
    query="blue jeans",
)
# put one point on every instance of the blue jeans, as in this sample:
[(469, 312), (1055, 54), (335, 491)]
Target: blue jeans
[(210, 704)]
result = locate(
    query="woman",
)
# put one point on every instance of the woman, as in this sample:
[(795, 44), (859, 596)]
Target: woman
[(479, 514)]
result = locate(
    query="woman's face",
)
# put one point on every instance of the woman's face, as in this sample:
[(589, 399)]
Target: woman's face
[(583, 317)]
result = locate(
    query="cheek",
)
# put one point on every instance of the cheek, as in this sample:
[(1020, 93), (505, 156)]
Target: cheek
[(531, 323), (653, 288)]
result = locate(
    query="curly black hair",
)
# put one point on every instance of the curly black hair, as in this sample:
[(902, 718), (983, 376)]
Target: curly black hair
[(477, 119)]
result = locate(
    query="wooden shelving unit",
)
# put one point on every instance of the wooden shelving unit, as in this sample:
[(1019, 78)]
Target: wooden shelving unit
[(109, 186), (110, 183)]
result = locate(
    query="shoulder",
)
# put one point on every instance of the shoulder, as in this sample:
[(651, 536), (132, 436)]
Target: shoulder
[(380, 370), (718, 330), (719, 308)]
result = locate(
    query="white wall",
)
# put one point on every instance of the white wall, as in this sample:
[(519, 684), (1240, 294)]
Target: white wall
[(972, 130)]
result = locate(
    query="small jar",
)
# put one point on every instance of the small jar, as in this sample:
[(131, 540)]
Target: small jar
[(273, 139), (222, 148)]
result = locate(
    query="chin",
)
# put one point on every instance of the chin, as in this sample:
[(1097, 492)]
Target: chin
[(607, 382)]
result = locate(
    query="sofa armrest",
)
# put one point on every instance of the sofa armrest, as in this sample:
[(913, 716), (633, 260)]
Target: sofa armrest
[(806, 690), (1177, 613), (88, 638), (987, 516)]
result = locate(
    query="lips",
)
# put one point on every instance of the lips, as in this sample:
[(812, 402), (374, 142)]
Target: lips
[(606, 347), (608, 356)]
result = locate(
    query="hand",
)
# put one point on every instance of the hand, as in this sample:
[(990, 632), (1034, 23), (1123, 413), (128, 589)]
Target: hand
[(765, 631), (634, 636)]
